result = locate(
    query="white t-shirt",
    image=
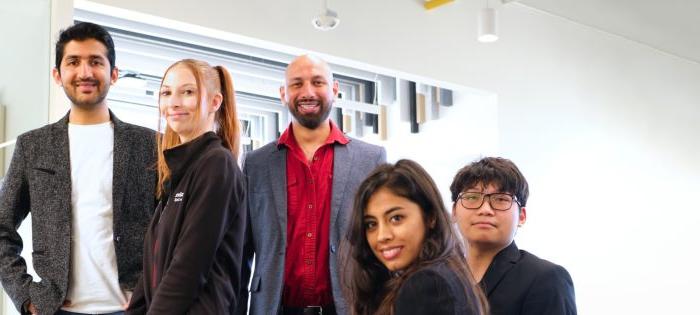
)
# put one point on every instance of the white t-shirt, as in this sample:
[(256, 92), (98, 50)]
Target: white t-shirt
[(94, 281)]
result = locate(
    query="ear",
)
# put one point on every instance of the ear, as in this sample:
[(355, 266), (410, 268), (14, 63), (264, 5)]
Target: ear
[(114, 75), (283, 94), (522, 216), (56, 76), (216, 102)]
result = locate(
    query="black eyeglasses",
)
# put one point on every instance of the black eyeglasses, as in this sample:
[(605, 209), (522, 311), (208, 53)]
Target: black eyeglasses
[(498, 201)]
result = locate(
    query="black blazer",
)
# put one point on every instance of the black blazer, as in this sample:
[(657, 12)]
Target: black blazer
[(435, 290), (518, 282)]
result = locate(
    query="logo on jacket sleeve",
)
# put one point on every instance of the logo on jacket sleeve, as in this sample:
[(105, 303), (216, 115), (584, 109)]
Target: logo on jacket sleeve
[(178, 197)]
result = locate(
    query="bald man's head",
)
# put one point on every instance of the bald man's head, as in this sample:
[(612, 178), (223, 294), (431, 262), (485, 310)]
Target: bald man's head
[(306, 60), (309, 90)]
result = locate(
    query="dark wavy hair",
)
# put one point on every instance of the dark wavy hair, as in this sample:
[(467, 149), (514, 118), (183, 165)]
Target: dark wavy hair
[(497, 171), (84, 31), (367, 283)]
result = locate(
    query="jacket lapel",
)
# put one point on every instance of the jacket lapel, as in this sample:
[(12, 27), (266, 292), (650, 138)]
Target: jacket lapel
[(278, 168), (502, 263), (120, 160), (59, 161), (342, 162)]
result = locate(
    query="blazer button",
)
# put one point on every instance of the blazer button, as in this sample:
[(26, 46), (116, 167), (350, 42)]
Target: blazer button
[(117, 238), (332, 248)]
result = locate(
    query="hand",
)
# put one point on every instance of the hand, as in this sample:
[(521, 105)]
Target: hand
[(32, 309), (128, 295)]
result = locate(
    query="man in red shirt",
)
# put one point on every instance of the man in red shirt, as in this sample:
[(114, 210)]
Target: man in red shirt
[(301, 188)]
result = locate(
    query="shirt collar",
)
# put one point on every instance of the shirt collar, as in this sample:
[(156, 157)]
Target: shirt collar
[(181, 157), (336, 135)]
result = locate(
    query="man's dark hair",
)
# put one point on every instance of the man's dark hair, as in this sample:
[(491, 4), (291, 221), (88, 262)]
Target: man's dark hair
[(84, 31), (500, 172)]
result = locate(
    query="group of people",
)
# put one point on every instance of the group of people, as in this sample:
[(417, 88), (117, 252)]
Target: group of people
[(126, 220)]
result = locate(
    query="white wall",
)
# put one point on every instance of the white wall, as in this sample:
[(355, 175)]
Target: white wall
[(605, 129), (443, 145), (24, 60), (24, 78)]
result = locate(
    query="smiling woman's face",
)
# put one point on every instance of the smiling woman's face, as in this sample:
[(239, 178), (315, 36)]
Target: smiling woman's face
[(179, 95), (395, 229)]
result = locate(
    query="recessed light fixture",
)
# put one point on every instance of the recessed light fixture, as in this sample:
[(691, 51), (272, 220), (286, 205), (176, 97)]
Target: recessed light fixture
[(327, 19)]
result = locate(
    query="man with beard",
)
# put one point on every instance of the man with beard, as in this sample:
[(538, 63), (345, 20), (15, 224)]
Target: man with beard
[(88, 181), (301, 188)]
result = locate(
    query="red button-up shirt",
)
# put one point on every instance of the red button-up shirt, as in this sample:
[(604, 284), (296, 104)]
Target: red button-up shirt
[(307, 280)]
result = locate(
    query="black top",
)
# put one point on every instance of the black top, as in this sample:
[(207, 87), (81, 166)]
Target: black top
[(194, 245), (434, 290), (518, 282)]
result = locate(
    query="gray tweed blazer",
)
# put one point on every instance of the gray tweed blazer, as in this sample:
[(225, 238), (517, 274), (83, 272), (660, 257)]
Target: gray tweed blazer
[(39, 181), (266, 171)]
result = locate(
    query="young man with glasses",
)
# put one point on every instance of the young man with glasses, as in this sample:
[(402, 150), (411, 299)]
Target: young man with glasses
[(489, 198)]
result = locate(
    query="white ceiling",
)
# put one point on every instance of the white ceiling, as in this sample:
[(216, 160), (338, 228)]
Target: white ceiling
[(672, 26)]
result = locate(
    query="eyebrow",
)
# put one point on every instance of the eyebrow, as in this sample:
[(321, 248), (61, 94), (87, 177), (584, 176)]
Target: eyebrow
[(315, 77), (88, 57), (184, 85), (386, 213), (392, 210)]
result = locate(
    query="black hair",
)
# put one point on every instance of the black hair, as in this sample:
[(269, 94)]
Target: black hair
[(84, 31), (496, 171)]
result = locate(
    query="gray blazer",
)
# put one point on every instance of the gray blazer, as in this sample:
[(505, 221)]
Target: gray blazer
[(39, 181), (266, 171)]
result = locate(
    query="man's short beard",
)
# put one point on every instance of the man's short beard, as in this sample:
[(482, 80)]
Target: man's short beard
[(87, 104), (311, 122)]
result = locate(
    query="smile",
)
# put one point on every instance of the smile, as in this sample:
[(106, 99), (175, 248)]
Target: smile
[(177, 115), (308, 106), (86, 83), (86, 86), (391, 253)]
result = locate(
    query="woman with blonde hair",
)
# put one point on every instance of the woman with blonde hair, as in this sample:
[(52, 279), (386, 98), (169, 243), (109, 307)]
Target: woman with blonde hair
[(193, 246)]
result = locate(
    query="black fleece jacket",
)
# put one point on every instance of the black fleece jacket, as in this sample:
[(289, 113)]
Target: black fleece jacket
[(194, 244)]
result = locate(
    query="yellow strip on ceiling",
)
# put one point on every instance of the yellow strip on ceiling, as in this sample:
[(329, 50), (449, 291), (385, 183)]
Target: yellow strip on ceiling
[(432, 4)]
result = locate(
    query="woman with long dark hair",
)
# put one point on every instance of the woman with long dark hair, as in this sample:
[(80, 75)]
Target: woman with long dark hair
[(403, 255), (194, 244)]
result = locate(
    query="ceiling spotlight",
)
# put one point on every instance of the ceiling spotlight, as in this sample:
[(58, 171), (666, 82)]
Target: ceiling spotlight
[(488, 25), (327, 20)]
